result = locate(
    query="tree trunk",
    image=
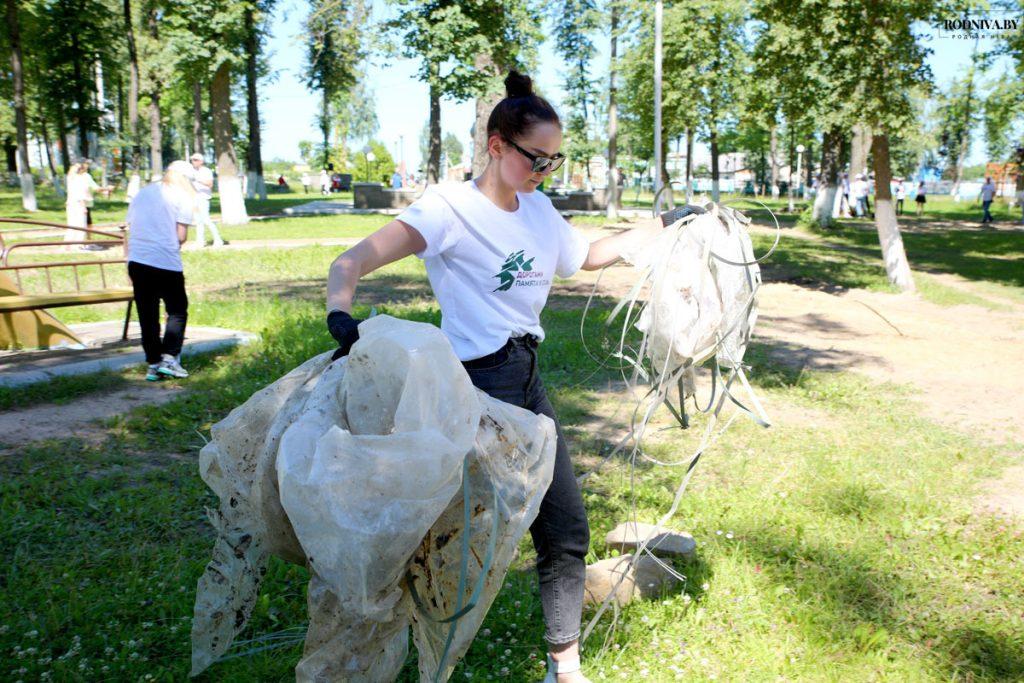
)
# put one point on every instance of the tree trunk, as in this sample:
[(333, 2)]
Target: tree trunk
[(714, 164), (434, 154), (689, 164), (896, 265), (80, 96), (612, 193), (156, 158), (828, 179), (484, 106), (28, 189), (133, 90), (62, 140), (859, 148), (197, 117), (156, 140), (11, 154), (54, 178), (773, 153), (254, 160), (229, 185), (789, 184)]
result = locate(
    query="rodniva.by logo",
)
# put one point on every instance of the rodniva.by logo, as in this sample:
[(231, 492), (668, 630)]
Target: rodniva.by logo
[(517, 270), (980, 27)]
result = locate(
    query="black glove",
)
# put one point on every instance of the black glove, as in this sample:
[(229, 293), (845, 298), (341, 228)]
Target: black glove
[(345, 330), (670, 217)]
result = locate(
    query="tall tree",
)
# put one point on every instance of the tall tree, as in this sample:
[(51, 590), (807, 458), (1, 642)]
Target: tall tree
[(232, 201), (28, 190), (575, 23), (209, 37), (613, 119), (885, 84), (254, 165), (133, 90), (333, 52), (157, 71), (449, 39)]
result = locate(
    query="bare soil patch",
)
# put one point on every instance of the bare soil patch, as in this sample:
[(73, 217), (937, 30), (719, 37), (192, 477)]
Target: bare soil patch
[(81, 418)]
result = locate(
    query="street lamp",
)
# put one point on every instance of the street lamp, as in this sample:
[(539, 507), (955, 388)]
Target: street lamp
[(370, 158), (800, 158)]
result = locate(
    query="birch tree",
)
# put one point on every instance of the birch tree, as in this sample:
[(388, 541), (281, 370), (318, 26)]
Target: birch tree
[(28, 190)]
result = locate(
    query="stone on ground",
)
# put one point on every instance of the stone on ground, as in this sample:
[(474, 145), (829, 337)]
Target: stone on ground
[(643, 579), (663, 542)]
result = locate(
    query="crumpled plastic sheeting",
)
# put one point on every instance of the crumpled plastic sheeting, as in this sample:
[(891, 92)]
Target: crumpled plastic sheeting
[(695, 298), (355, 469)]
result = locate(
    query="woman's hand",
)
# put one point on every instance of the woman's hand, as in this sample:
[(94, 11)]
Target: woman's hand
[(345, 330), (608, 250)]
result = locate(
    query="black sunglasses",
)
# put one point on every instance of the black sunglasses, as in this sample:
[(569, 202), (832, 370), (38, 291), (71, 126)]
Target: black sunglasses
[(541, 164)]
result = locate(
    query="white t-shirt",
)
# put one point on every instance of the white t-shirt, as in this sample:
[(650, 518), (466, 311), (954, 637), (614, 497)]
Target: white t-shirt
[(201, 175), (491, 269), (988, 192), (152, 225)]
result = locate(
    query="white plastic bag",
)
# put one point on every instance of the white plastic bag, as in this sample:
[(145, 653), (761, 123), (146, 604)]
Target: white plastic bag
[(356, 469), (696, 297)]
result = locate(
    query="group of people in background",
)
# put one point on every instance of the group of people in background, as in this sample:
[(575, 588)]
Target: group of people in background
[(855, 200)]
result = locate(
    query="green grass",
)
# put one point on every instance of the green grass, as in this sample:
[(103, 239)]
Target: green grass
[(839, 545), (51, 207)]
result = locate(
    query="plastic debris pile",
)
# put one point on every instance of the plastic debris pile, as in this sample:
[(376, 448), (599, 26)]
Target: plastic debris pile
[(402, 487), (695, 303)]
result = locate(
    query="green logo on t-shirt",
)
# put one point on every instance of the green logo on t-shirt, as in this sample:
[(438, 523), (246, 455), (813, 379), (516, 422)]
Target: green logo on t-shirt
[(514, 263)]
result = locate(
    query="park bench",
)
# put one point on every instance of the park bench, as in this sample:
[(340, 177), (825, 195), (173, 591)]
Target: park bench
[(14, 298)]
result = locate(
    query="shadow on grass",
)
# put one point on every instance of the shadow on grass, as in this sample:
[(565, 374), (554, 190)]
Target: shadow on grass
[(865, 606), (995, 254)]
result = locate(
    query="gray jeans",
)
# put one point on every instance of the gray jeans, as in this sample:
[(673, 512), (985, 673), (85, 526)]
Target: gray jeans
[(560, 533)]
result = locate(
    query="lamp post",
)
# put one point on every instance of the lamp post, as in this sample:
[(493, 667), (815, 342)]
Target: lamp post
[(370, 158)]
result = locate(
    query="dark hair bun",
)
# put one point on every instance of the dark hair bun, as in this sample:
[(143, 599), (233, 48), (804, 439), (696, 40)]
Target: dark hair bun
[(518, 85)]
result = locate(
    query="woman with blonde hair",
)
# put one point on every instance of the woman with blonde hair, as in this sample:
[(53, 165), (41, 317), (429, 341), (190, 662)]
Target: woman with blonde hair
[(78, 203), (158, 220)]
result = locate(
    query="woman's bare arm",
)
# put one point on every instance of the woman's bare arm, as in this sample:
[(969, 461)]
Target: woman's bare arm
[(394, 241), (608, 250)]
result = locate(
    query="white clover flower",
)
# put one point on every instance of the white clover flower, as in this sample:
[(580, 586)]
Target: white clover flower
[(504, 671), (705, 586), (729, 535), (508, 652), (486, 632), (32, 634)]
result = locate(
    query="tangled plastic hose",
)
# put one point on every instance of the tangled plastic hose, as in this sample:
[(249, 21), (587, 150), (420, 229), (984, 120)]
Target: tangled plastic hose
[(667, 367)]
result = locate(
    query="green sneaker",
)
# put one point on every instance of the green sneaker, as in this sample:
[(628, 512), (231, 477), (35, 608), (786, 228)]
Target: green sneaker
[(170, 367), (153, 372)]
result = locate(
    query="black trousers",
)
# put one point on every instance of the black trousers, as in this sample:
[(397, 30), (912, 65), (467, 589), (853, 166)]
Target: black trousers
[(153, 285), (560, 533)]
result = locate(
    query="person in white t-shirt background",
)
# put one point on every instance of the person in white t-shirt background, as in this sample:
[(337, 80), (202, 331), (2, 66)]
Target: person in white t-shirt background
[(202, 183), (988, 195), (492, 247), (158, 220)]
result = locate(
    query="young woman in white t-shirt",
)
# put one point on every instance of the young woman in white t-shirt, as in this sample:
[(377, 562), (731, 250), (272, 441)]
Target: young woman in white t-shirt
[(492, 247)]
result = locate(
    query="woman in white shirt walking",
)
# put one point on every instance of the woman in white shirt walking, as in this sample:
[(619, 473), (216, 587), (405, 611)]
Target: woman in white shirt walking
[(492, 247), (158, 220)]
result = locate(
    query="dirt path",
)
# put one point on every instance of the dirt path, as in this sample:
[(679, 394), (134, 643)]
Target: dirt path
[(80, 418)]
